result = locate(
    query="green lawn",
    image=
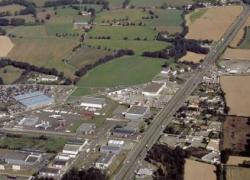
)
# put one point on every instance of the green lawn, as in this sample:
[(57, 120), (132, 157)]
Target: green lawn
[(122, 71), (197, 14), (246, 42), (28, 142), (9, 74), (29, 31), (119, 32), (137, 46)]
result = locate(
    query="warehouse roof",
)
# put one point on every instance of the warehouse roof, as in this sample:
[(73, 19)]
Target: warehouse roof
[(153, 87), (137, 110), (33, 99), (106, 158), (71, 147), (93, 100)]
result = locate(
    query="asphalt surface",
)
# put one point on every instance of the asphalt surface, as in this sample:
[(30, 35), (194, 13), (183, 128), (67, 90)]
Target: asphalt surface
[(164, 117)]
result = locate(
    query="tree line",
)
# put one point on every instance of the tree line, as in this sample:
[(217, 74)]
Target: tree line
[(122, 52), (56, 3), (12, 22)]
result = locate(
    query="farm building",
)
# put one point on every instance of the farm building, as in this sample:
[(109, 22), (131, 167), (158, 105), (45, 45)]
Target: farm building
[(86, 128), (92, 102), (153, 89), (137, 112), (105, 161), (34, 100)]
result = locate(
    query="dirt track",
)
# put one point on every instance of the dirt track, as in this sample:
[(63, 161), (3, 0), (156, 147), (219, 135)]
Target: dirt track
[(5, 46), (213, 23)]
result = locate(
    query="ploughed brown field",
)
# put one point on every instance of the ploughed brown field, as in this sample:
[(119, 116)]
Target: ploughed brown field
[(237, 94), (213, 23), (195, 170), (5, 46), (235, 130), (236, 54)]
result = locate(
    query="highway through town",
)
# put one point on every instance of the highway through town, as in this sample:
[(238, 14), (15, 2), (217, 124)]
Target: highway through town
[(164, 117)]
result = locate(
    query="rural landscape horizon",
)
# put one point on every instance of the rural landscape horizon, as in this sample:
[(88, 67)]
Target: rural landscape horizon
[(124, 89)]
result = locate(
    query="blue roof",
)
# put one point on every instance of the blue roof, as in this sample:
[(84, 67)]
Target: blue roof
[(34, 99)]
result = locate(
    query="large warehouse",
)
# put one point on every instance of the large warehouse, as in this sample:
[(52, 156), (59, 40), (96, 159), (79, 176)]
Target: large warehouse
[(34, 100)]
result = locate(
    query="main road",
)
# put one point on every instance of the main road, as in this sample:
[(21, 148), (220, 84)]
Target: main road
[(164, 117)]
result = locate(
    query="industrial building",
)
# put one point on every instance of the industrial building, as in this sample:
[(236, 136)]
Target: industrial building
[(49, 172), (137, 112), (34, 100), (73, 149), (115, 143), (105, 161), (86, 128), (92, 102), (153, 89)]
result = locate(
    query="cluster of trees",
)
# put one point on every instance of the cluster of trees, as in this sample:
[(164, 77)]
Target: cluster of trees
[(86, 174), (100, 37), (179, 48), (125, 3), (12, 22), (66, 34), (122, 52), (2, 31), (30, 7), (28, 67), (246, 1), (56, 3), (172, 161), (1, 81)]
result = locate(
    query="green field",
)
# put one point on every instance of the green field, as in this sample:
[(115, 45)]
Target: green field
[(86, 56), (246, 42), (47, 52), (133, 15), (158, 3), (119, 32), (122, 71), (169, 20), (197, 14), (9, 74), (113, 4), (28, 142), (29, 31), (137, 46)]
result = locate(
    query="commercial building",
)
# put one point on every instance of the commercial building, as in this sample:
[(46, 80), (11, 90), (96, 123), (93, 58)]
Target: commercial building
[(92, 102), (153, 89), (34, 100), (86, 128), (137, 112), (122, 132), (60, 164), (105, 161)]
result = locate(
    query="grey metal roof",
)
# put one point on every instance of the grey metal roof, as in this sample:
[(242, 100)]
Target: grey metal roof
[(113, 149), (33, 99), (105, 158)]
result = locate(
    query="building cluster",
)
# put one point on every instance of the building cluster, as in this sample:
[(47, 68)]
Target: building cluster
[(109, 151), (63, 160), (196, 126)]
